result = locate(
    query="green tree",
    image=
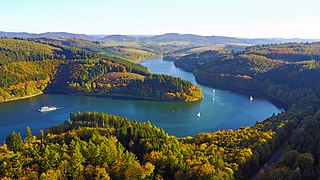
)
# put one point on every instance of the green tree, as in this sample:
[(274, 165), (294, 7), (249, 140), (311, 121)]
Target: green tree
[(29, 136), (41, 136), (14, 141), (135, 172)]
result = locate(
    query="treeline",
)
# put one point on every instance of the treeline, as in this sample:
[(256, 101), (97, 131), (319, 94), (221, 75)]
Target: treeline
[(164, 87)]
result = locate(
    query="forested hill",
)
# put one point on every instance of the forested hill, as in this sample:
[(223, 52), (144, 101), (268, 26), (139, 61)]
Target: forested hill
[(46, 35), (107, 78), (92, 145), (129, 51), (168, 38), (176, 38), (288, 72), (28, 68), (292, 65), (13, 50)]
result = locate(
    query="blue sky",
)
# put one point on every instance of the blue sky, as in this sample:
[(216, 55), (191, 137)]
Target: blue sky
[(238, 18)]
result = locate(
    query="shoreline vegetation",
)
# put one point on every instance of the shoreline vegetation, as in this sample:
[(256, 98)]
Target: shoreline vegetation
[(136, 97), (34, 65), (235, 88), (120, 96), (287, 73), (244, 90), (21, 98)]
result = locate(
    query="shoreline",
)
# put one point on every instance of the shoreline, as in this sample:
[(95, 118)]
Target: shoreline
[(147, 58), (121, 96), (21, 98), (241, 90)]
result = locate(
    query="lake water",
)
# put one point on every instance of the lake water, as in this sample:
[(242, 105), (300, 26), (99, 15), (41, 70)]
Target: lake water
[(228, 110)]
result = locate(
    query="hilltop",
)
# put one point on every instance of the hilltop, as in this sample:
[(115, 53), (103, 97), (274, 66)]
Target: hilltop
[(169, 38)]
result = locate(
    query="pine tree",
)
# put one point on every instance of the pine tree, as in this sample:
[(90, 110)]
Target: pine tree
[(29, 136), (14, 141)]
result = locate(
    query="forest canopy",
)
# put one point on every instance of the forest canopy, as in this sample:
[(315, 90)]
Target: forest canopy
[(287, 72), (30, 67)]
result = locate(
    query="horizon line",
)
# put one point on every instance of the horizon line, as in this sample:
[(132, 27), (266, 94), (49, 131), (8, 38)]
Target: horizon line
[(95, 34)]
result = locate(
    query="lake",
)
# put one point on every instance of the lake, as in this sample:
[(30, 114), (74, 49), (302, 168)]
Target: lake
[(220, 110)]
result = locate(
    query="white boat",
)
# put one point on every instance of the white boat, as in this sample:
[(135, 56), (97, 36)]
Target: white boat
[(213, 91), (198, 115), (47, 109), (251, 98)]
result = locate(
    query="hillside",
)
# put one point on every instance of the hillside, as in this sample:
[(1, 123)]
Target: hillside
[(27, 68), (133, 52), (188, 50), (254, 64), (12, 50), (287, 72), (30, 67)]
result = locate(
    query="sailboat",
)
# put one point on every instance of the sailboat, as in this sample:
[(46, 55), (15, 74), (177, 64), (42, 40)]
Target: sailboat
[(198, 115), (213, 91), (251, 98)]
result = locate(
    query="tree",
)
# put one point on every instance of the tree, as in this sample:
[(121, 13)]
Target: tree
[(305, 161), (135, 171), (41, 136), (14, 141), (29, 136), (50, 174)]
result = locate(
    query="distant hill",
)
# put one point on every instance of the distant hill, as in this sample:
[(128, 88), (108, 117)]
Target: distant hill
[(170, 38), (46, 35), (121, 38), (175, 38)]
